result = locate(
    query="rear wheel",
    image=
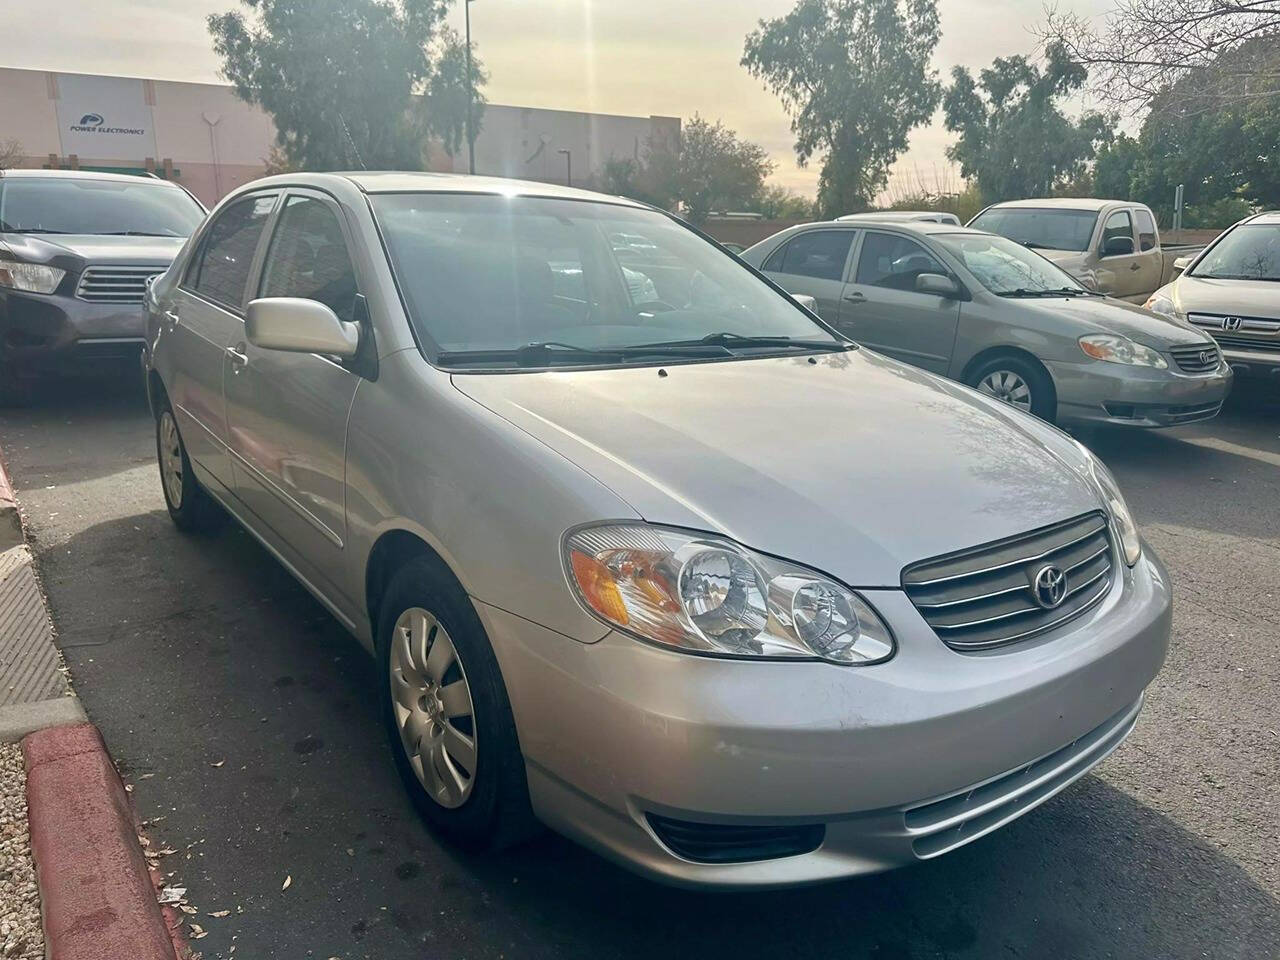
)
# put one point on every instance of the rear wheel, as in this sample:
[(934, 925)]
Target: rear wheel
[(190, 507), (446, 711), (1017, 382)]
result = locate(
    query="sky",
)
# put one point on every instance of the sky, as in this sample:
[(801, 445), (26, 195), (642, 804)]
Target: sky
[(640, 57)]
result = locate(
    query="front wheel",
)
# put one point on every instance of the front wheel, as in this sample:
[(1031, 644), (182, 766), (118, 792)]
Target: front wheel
[(1019, 383), (446, 711)]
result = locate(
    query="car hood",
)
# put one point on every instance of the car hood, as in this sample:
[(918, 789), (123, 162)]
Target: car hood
[(95, 248), (1108, 315), (1247, 298), (853, 464)]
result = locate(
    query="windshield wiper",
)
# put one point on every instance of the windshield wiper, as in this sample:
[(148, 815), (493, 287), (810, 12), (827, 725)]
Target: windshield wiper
[(132, 233), (1032, 245), (727, 339), (547, 353), (30, 230)]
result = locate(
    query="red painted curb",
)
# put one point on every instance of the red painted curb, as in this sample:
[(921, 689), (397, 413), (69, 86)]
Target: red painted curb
[(96, 893)]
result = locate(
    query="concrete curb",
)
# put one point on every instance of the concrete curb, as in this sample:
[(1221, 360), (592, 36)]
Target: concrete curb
[(20, 719), (96, 893), (10, 519)]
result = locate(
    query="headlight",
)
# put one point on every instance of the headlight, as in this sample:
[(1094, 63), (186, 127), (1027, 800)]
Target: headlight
[(31, 277), (1126, 529), (1117, 349), (1163, 304), (711, 595)]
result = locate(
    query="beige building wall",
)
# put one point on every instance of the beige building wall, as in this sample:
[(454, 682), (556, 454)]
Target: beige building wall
[(203, 137)]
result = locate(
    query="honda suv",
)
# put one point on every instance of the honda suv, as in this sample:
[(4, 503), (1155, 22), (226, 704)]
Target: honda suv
[(76, 252)]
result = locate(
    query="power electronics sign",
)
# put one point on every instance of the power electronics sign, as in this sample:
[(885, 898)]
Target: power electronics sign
[(105, 118)]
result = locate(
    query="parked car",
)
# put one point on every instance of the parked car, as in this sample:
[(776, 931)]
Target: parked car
[(902, 216), (1112, 246), (1230, 291), (76, 250), (990, 313), (560, 524)]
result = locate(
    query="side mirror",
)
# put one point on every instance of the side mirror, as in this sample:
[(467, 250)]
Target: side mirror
[(1118, 247), (937, 284), (1181, 263), (300, 326), (806, 301)]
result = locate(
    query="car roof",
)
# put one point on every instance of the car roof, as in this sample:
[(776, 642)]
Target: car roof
[(903, 226), (894, 215), (86, 175), (426, 182), (1064, 203), (1266, 217)]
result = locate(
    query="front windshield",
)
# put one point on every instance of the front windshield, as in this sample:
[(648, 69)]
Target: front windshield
[(85, 206), (1250, 252), (1007, 268), (484, 274), (1044, 229)]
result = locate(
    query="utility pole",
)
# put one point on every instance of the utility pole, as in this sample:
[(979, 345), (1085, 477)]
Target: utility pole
[(471, 96), (568, 167)]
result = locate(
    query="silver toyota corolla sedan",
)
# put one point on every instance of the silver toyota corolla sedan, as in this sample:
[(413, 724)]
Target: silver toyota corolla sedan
[(988, 312), (644, 550)]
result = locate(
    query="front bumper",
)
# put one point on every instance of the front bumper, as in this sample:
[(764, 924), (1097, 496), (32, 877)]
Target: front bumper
[(1113, 393), (898, 762), (1259, 364), (42, 333)]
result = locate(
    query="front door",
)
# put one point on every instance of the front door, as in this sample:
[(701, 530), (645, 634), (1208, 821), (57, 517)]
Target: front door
[(814, 263), (1123, 273), (882, 308), (202, 319), (287, 412)]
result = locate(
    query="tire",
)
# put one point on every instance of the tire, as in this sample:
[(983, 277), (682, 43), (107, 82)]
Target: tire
[(1018, 382), (463, 771), (190, 507)]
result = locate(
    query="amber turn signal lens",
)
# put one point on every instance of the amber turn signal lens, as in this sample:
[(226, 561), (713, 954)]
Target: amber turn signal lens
[(598, 587)]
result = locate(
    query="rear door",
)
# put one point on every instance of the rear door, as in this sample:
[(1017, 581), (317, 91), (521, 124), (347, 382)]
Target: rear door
[(882, 308), (1150, 274), (203, 319), (814, 262), (287, 412)]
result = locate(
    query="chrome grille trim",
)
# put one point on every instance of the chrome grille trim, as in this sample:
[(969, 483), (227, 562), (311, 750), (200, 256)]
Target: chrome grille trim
[(1248, 343), (1187, 356), (979, 604), (125, 285), (1213, 321), (941, 825)]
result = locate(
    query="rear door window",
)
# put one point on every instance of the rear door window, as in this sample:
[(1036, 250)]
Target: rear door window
[(821, 254), (221, 270)]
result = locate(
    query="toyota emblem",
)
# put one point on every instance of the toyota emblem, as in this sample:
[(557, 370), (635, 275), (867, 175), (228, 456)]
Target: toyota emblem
[(1050, 586)]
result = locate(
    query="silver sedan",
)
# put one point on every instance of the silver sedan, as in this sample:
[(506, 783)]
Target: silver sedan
[(988, 312), (643, 550)]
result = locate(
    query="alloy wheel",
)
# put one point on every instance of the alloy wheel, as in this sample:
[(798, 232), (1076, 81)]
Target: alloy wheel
[(171, 459), (1007, 386), (433, 708)]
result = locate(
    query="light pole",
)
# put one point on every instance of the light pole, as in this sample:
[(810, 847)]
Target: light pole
[(568, 167), (471, 96)]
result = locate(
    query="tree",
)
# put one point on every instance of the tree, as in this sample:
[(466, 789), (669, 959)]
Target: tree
[(1013, 137), (10, 154), (854, 75), (444, 102), (337, 76), (776, 202), (1148, 47), (712, 169)]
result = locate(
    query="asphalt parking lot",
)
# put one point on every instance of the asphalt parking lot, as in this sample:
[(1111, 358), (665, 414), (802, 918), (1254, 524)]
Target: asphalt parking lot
[(244, 716)]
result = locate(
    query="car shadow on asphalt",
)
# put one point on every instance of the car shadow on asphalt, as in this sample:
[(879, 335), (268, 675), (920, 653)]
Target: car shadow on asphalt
[(207, 666)]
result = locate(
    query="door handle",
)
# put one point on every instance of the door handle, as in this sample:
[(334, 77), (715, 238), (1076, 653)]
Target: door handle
[(238, 357), (1135, 266), (172, 316), (855, 297)]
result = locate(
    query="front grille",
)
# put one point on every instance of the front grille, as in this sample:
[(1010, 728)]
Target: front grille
[(1229, 323), (1194, 412), (115, 284), (942, 825), (727, 843), (1196, 357), (1248, 343), (986, 596)]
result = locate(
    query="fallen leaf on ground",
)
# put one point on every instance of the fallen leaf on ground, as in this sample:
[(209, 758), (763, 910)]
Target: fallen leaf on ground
[(220, 913), (218, 764), (172, 894), (198, 931), (188, 909), (287, 881)]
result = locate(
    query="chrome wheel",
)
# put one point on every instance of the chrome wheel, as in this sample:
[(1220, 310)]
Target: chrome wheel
[(432, 704), (1007, 386), (171, 459)]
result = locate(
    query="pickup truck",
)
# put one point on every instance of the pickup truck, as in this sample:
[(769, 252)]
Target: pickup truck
[(1112, 246)]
